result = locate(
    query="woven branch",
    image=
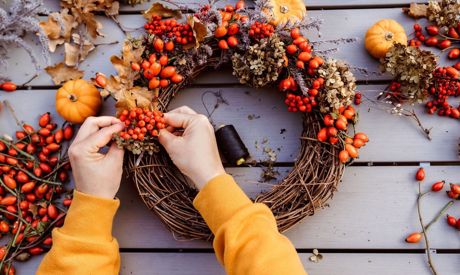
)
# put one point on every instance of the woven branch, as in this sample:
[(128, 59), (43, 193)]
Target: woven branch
[(308, 187)]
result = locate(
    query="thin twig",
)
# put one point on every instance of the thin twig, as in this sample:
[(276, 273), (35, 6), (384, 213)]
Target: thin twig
[(426, 131), (427, 244)]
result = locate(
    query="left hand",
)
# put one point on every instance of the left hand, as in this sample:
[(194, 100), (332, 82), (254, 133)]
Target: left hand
[(95, 173)]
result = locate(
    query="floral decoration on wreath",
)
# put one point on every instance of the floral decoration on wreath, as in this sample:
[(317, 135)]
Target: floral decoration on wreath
[(266, 47)]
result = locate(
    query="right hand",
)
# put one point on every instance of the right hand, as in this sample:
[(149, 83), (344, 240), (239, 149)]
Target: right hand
[(194, 151)]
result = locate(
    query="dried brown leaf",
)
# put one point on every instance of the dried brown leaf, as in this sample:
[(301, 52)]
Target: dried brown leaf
[(135, 97), (69, 24), (75, 53), (199, 31), (61, 73), (51, 27), (159, 9), (416, 10), (114, 87)]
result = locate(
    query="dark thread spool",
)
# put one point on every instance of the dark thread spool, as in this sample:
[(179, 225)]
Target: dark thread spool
[(230, 145)]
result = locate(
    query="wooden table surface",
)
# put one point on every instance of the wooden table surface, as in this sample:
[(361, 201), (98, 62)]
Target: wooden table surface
[(362, 231)]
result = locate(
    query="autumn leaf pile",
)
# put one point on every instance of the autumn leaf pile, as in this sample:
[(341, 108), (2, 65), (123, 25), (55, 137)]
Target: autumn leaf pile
[(75, 27)]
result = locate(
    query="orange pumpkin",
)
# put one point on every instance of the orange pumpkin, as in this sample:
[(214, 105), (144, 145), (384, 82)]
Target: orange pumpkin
[(383, 35), (77, 100), (287, 10)]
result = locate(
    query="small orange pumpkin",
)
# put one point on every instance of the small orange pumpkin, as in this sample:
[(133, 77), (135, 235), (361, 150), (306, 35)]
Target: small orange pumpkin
[(287, 10), (77, 100), (383, 35)]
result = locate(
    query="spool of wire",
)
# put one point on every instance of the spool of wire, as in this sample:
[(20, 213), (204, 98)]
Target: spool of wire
[(230, 145)]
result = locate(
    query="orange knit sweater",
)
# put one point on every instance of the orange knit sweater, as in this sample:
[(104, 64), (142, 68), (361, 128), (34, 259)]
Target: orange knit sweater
[(247, 241)]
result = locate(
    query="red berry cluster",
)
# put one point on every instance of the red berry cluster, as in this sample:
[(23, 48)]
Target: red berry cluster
[(170, 28), (358, 97), (156, 70), (302, 103), (300, 52), (141, 124), (446, 84), (434, 38), (260, 30), (32, 177)]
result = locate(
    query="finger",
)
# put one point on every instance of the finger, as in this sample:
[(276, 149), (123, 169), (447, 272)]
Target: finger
[(93, 124), (102, 137), (115, 154), (181, 110), (178, 120), (167, 139), (184, 110)]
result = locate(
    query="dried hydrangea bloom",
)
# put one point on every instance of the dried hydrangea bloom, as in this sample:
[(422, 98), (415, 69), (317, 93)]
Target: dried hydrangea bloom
[(444, 13), (412, 68), (339, 88), (261, 64)]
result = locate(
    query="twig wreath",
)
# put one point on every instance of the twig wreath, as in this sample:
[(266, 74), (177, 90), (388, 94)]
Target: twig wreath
[(266, 47)]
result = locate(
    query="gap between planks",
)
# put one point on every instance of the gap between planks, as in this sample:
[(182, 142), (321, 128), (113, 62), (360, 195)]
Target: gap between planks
[(299, 250)]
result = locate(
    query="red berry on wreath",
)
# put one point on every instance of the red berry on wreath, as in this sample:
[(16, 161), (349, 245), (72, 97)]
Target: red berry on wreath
[(9, 87), (304, 56), (295, 33), (158, 44), (168, 72), (164, 83), (344, 157), (432, 30), (322, 135), (223, 45), (233, 29), (221, 31), (154, 83), (291, 49), (177, 78), (452, 33), (135, 66), (232, 41), (432, 41), (169, 46)]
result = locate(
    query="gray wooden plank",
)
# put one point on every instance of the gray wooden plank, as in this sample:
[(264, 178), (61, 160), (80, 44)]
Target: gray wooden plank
[(346, 23), (54, 5), (374, 208), (261, 115), (332, 264)]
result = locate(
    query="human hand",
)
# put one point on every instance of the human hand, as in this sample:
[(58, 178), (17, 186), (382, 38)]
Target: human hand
[(96, 173), (194, 151)]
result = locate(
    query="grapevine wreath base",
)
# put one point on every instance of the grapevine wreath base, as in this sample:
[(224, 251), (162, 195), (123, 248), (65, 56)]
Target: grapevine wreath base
[(310, 184), (266, 50)]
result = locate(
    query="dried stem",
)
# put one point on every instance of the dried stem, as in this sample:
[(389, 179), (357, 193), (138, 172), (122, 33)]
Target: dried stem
[(425, 236), (426, 131)]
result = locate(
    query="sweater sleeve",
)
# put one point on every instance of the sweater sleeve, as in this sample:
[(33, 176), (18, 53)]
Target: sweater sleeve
[(247, 240), (84, 245)]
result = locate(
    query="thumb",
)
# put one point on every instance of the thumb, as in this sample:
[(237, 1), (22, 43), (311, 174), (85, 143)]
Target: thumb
[(115, 154), (167, 139), (102, 137)]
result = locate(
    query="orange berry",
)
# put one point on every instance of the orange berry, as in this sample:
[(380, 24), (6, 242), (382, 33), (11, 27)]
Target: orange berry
[(221, 31)]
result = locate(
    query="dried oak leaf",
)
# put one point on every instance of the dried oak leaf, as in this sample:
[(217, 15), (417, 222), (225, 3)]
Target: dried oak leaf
[(61, 73), (58, 28), (52, 27), (416, 10), (134, 97), (164, 12), (130, 53), (199, 31), (114, 87), (75, 53)]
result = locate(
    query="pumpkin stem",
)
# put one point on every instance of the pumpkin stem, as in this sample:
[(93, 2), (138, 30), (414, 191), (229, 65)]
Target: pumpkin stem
[(389, 36), (73, 97)]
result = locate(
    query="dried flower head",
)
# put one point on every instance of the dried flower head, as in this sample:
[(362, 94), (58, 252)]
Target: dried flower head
[(261, 64), (18, 18), (444, 13), (339, 86), (412, 67)]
